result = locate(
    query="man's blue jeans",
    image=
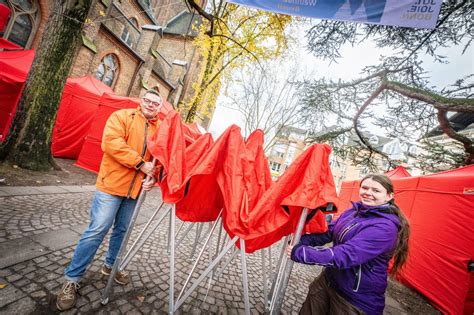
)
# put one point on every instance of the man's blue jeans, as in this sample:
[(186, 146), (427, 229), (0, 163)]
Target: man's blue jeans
[(106, 210)]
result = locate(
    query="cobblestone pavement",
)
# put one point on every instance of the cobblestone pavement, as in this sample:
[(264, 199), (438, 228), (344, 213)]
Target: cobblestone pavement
[(38, 233)]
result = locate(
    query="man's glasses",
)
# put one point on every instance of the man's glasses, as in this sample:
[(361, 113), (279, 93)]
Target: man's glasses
[(148, 101)]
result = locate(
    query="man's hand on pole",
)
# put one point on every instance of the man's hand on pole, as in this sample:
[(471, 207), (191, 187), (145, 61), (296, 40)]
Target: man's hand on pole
[(148, 168), (148, 183)]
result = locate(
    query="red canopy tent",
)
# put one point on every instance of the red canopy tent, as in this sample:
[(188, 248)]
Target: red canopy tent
[(233, 175), (79, 104), (398, 172), (440, 209), (14, 67), (4, 15)]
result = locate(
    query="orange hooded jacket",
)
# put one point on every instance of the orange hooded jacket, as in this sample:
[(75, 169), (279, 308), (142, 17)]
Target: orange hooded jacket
[(124, 146)]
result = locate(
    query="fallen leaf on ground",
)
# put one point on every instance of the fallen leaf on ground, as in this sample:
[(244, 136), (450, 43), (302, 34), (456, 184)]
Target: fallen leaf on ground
[(141, 298), (2, 285)]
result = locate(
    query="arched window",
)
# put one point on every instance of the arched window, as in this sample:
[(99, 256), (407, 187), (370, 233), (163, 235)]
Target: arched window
[(107, 70), (23, 22)]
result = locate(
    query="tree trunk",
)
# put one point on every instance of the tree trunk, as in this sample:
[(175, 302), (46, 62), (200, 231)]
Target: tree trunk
[(29, 140)]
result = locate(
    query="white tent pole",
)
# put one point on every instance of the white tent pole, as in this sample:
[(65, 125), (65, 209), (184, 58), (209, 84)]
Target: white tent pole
[(172, 257), (289, 265), (245, 282), (179, 302)]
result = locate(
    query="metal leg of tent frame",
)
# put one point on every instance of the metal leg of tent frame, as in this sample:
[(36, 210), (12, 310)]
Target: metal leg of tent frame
[(264, 277), (228, 261), (105, 295), (178, 242), (228, 246), (196, 239), (245, 282), (219, 235), (140, 241), (270, 261), (136, 242), (168, 248), (199, 257), (277, 300), (172, 257), (179, 229), (276, 277)]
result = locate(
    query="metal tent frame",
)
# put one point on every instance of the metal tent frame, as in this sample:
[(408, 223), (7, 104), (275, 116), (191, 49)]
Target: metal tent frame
[(272, 301)]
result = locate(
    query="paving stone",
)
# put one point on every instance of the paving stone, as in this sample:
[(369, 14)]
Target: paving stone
[(10, 294), (20, 191), (22, 305), (19, 250)]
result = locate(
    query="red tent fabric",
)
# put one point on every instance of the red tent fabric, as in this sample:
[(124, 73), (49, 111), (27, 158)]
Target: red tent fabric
[(197, 196), (397, 172), (91, 152), (236, 173), (79, 104), (5, 44), (440, 209), (14, 67), (441, 215), (469, 303), (4, 15)]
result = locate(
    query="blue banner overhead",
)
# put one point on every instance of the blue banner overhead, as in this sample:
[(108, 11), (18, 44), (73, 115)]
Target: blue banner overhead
[(405, 13)]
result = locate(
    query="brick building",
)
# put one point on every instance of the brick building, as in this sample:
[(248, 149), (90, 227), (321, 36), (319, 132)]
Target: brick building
[(130, 45)]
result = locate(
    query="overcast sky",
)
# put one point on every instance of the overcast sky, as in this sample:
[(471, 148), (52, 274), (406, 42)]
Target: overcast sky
[(349, 67)]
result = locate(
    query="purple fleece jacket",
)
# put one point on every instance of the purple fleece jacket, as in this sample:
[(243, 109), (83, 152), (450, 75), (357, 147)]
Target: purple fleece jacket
[(364, 238)]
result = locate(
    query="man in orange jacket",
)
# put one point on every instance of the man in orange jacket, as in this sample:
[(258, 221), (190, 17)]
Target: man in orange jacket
[(123, 169)]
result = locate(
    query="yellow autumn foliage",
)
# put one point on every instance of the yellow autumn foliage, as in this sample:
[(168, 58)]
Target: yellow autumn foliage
[(240, 35)]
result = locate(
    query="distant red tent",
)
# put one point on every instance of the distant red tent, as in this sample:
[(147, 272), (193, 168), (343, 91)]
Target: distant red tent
[(91, 152), (14, 67), (440, 209), (4, 15), (79, 103), (397, 172)]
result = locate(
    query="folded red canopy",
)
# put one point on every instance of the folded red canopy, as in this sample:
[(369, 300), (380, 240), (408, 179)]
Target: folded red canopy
[(440, 209), (236, 173)]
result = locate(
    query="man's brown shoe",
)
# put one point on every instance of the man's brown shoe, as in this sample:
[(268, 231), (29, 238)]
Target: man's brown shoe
[(67, 297), (121, 277)]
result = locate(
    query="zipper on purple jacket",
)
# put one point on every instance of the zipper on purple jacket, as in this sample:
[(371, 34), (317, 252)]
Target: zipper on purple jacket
[(357, 279), (346, 230)]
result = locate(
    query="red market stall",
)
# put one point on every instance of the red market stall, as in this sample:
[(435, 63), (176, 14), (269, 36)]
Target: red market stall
[(79, 104), (14, 67), (4, 16), (440, 209)]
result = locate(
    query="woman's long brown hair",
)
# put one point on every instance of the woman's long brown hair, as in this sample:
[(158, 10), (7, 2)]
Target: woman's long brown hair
[(401, 250)]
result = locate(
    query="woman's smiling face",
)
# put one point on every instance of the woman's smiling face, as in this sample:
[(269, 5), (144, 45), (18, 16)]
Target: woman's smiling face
[(372, 193)]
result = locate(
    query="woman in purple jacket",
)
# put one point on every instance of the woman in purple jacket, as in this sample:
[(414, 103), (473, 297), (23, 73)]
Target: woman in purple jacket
[(364, 239)]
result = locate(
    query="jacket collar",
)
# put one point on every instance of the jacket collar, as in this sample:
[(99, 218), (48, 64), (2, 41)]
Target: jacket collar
[(363, 209)]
